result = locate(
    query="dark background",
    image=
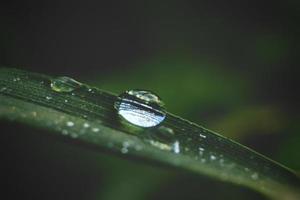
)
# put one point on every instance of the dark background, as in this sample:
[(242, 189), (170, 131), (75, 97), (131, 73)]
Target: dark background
[(228, 65)]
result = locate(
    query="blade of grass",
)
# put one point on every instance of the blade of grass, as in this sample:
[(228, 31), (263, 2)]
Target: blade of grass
[(87, 115)]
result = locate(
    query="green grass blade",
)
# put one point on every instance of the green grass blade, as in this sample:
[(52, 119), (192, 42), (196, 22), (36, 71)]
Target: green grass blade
[(88, 115)]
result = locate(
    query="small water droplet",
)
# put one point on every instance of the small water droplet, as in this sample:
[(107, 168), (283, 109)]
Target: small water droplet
[(176, 147), (146, 96), (48, 97), (213, 157), (66, 101), (86, 125), (70, 123), (64, 84), (141, 108), (201, 135), (34, 114), (84, 116), (201, 151), (95, 129), (254, 176), (92, 90), (125, 146), (16, 79), (3, 89)]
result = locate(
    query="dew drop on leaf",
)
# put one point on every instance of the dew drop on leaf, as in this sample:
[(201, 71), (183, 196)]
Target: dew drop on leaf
[(16, 79), (70, 123), (254, 176), (64, 84), (176, 147), (95, 129), (213, 157), (141, 108), (86, 125)]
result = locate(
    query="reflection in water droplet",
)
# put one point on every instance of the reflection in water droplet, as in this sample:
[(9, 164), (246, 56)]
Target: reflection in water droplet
[(64, 84), (48, 97), (141, 108), (146, 96)]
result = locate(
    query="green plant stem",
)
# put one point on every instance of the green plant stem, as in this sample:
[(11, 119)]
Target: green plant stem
[(88, 115)]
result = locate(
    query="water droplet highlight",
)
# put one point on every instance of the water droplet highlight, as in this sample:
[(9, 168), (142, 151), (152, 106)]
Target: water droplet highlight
[(141, 108), (64, 84)]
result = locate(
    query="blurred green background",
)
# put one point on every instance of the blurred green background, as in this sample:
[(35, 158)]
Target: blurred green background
[(230, 66)]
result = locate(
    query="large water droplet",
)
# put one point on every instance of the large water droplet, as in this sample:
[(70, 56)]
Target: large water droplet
[(141, 108), (64, 84)]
